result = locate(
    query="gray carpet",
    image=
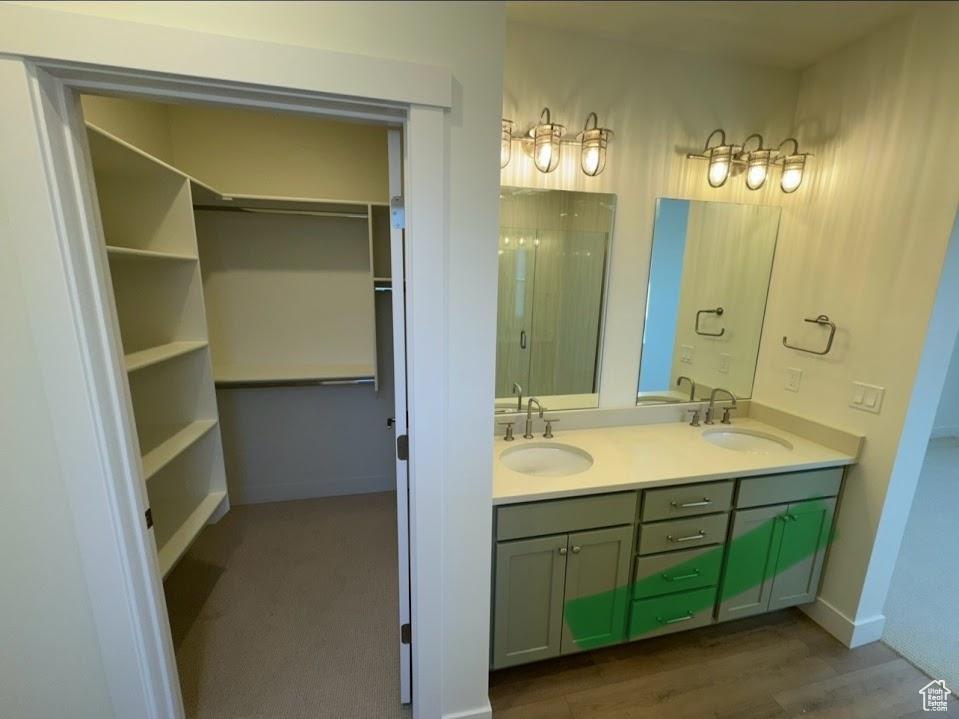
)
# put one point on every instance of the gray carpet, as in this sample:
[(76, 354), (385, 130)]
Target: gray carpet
[(289, 611), (922, 609)]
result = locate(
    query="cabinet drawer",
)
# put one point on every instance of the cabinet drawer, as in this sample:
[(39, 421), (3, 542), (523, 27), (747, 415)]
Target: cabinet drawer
[(565, 515), (673, 613), (676, 571), (793, 487), (682, 533), (687, 501)]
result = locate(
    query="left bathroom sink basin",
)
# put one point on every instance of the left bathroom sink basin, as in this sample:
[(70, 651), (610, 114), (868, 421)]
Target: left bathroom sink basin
[(547, 459)]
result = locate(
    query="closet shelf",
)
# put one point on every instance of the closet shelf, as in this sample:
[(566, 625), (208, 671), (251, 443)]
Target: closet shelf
[(129, 253), (284, 205), (227, 376), (144, 358), (174, 445), (176, 546)]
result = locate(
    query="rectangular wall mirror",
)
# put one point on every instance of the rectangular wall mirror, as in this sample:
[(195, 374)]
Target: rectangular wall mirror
[(553, 255), (708, 280)]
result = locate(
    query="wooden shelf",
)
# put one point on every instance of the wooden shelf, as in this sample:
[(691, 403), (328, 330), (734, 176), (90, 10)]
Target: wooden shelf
[(182, 538), (225, 376), (144, 358), (170, 448), (291, 205), (129, 253)]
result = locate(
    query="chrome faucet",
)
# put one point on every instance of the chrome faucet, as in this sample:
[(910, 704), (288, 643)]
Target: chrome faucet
[(711, 410), (518, 391), (529, 416), (692, 386)]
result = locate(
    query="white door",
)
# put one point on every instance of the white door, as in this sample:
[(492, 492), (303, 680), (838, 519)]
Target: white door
[(397, 263)]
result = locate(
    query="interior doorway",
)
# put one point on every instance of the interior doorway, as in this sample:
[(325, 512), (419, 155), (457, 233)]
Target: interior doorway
[(249, 261)]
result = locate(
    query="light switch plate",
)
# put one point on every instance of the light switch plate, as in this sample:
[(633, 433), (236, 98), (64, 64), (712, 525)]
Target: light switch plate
[(724, 362), (793, 378), (867, 397), (686, 354)]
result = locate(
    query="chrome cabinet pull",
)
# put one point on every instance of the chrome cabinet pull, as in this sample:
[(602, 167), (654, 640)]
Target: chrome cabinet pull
[(685, 505), (689, 615), (692, 575), (522, 339), (576, 550), (699, 535), (562, 551)]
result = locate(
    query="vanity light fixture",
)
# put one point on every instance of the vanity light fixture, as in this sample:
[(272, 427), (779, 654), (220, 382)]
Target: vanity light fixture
[(546, 142), (723, 157), (593, 141), (793, 166), (506, 142), (757, 163)]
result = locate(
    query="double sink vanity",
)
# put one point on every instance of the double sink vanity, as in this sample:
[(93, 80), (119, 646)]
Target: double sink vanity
[(617, 534), (608, 534)]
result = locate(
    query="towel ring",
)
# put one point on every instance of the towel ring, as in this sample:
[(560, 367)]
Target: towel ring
[(822, 321)]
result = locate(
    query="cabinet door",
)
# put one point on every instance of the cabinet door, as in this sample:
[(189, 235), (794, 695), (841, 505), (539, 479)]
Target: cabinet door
[(528, 600), (805, 536), (597, 588), (751, 561)]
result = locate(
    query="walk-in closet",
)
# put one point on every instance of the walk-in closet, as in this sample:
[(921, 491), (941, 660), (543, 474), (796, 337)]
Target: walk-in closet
[(248, 257)]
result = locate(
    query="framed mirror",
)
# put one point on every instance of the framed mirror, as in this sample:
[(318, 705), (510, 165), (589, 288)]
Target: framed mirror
[(553, 263), (708, 279)]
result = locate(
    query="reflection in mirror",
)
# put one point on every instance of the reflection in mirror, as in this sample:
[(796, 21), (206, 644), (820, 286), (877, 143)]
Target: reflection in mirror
[(553, 249), (708, 279)]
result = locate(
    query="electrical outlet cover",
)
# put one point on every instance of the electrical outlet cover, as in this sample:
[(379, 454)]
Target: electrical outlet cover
[(793, 378), (724, 362)]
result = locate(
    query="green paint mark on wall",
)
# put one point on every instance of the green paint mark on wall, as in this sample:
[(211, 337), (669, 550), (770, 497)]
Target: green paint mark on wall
[(753, 558)]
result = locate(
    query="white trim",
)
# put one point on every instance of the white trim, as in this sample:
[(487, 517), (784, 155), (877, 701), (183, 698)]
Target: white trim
[(481, 713), (77, 335), (73, 38), (851, 633)]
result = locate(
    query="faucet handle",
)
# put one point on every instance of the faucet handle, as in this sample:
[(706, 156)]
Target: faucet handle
[(694, 418), (725, 419), (548, 434), (509, 431)]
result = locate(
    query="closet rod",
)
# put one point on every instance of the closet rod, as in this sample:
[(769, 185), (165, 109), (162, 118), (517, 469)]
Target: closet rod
[(267, 211), (254, 384)]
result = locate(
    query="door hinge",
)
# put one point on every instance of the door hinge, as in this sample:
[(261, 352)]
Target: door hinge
[(149, 517), (403, 447), (406, 633), (397, 213)]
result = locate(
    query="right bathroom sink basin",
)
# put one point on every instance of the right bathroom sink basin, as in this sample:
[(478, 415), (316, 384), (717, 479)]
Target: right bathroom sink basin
[(750, 441)]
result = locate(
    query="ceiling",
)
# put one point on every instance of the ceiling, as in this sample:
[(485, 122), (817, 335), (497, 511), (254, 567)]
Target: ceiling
[(781, 33)]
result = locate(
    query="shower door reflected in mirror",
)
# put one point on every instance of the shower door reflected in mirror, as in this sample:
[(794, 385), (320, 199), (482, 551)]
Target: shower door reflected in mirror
[(708, 279), (553, 249)]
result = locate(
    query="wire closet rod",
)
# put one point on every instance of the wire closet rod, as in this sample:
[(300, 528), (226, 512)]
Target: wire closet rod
[(255, 384), (268, 211)]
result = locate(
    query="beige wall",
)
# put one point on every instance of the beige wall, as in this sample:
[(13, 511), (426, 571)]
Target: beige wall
[(865, 244), (660, 104), (143, 124)]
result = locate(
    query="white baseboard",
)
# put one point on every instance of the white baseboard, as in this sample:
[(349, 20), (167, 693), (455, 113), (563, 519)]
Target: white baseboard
[(481, 713), (947, 431), (851, 633), (246, 494)]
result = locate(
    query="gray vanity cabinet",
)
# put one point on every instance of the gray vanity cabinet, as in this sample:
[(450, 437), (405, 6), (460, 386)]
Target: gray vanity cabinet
[(528, 602)]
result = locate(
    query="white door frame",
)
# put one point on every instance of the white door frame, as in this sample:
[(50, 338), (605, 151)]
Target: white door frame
[(45, 58)]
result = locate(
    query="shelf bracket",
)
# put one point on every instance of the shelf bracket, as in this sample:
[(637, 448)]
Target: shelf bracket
[(397, 213)]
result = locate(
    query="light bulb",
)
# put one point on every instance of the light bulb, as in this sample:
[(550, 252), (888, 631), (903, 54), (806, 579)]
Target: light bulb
[(590, 160), (504, 154), (756, 175), (544, 157), (718, 171), (792, 177)]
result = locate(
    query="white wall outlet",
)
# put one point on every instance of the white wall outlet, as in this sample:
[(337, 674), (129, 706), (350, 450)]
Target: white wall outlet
[(686, 354), (724, 362), (793, 378), (867, 397)]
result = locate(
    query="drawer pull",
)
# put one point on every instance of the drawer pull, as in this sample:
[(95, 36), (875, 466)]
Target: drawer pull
[(699, 535), (692, 575), (689, 615), (686, 505)]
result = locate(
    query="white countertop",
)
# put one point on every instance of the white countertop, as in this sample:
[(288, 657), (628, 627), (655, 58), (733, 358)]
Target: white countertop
[(651, 455)]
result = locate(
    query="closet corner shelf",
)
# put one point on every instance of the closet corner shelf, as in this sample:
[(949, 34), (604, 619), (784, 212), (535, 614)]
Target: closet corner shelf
[(173, 446), (261, 376), (154, 355), (176, 546), (129, 253)]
